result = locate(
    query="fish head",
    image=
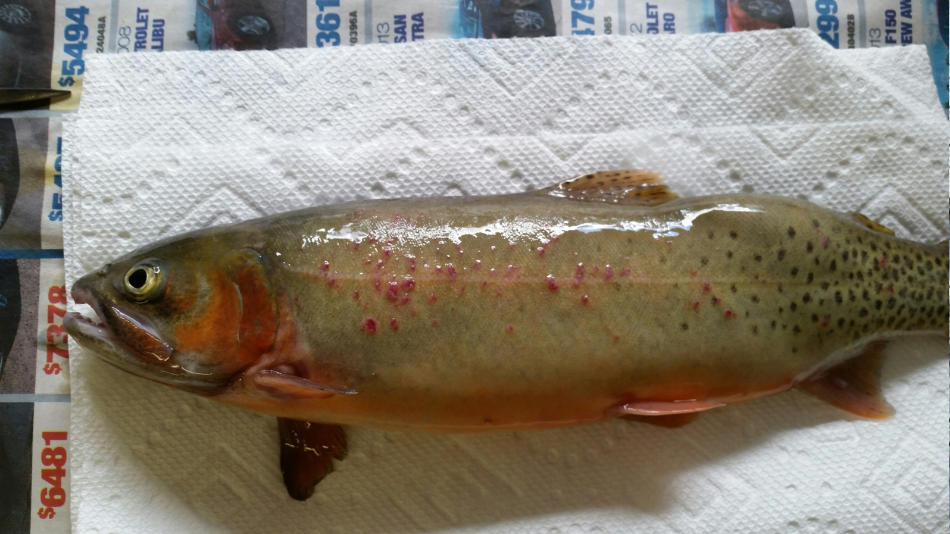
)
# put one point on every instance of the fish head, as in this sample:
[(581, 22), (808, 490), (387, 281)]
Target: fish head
[(186, 314)]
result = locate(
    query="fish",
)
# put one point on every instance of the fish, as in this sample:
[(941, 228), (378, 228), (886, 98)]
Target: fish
[(604, 296)]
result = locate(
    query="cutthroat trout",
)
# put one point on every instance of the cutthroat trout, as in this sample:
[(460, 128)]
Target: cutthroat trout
[(604, 296)]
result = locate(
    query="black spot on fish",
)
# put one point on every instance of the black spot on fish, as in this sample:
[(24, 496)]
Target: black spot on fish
[(838, 297), (825, 285), (733, 234), (878, 304), (773, 325), (891, 302), (814, 318), (711, 235), (817, 260), (809, 247), (781, 309), (919, 257), (793, 306), (841, 323), (814, 222), (757, 257), (704, 260), (780, 288), (833, 266), (796, 329), (896, 260), (755, 298), (890, 320), (806, 298), (864, 295), (811, 276), (874, 247), (851, 296), (942, 310), (794, 271), (863, 312), (781, 254), (755, 330), (733, 288), (791, 232), (729, 254), (684, 326), (794, 350), (844, 256)]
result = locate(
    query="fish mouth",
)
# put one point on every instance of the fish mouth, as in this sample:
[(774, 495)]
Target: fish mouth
[(156, 362)]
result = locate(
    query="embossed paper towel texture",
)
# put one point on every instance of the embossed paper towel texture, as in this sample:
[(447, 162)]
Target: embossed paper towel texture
[(165, 143)]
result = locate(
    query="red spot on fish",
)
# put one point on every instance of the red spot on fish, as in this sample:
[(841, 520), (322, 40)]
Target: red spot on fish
[(492, 272), (409, 284), (717, 301), (394, 324), (325, 267), (825, 241), (371, 240), (376, 284), (477, 265), (692, 272), (435, 322), (729, 314), (669, 244), (695, 304), (360, 211), (414, 312), (369, 326), (405, 299), (432, 298), (412, 263), (616, 337), (356, 245), (608, 273), (493, 248), (884, 261), (541, 251), (393, 292), (584, 299), (438, 269), (511, 269), (579, 276), (552, 283), (451, 271), (387, 251), (707, 286), (379, 265), (625, 272), (580, 269), (398, 218), (825, 321), (356, 295), (510, 328)]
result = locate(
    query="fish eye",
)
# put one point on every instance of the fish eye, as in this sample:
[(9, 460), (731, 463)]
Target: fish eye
[(142, 280)]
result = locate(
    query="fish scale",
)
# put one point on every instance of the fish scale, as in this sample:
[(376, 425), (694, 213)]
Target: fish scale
[(602, 296)]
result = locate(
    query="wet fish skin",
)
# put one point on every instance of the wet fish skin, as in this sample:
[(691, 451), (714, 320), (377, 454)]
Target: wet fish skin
[(512, 312)]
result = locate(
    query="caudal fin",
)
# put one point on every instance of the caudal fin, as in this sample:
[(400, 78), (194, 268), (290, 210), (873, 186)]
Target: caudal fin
[(853, 385)]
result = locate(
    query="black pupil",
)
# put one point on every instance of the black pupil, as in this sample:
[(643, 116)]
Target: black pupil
[(138, 278)]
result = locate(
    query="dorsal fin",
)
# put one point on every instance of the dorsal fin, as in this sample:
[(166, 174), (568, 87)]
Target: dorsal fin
[(634, 187), (853, 385), (873, 225)]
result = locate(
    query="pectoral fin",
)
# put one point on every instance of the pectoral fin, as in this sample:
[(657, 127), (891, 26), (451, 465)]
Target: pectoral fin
[(307, 451), (853, 385), (634, 187), (284, 383)]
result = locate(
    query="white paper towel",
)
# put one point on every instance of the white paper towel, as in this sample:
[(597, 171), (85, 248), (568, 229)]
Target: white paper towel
[(165, 143)]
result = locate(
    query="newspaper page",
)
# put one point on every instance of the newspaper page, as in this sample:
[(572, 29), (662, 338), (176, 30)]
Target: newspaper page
[(45, 44)]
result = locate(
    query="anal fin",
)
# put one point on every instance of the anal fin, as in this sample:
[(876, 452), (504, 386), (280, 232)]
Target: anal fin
[(633, 187), (307, 451), (873, 225), (853, 385)]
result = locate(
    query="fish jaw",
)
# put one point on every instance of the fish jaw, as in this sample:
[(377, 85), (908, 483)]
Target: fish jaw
[(155, 362)]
